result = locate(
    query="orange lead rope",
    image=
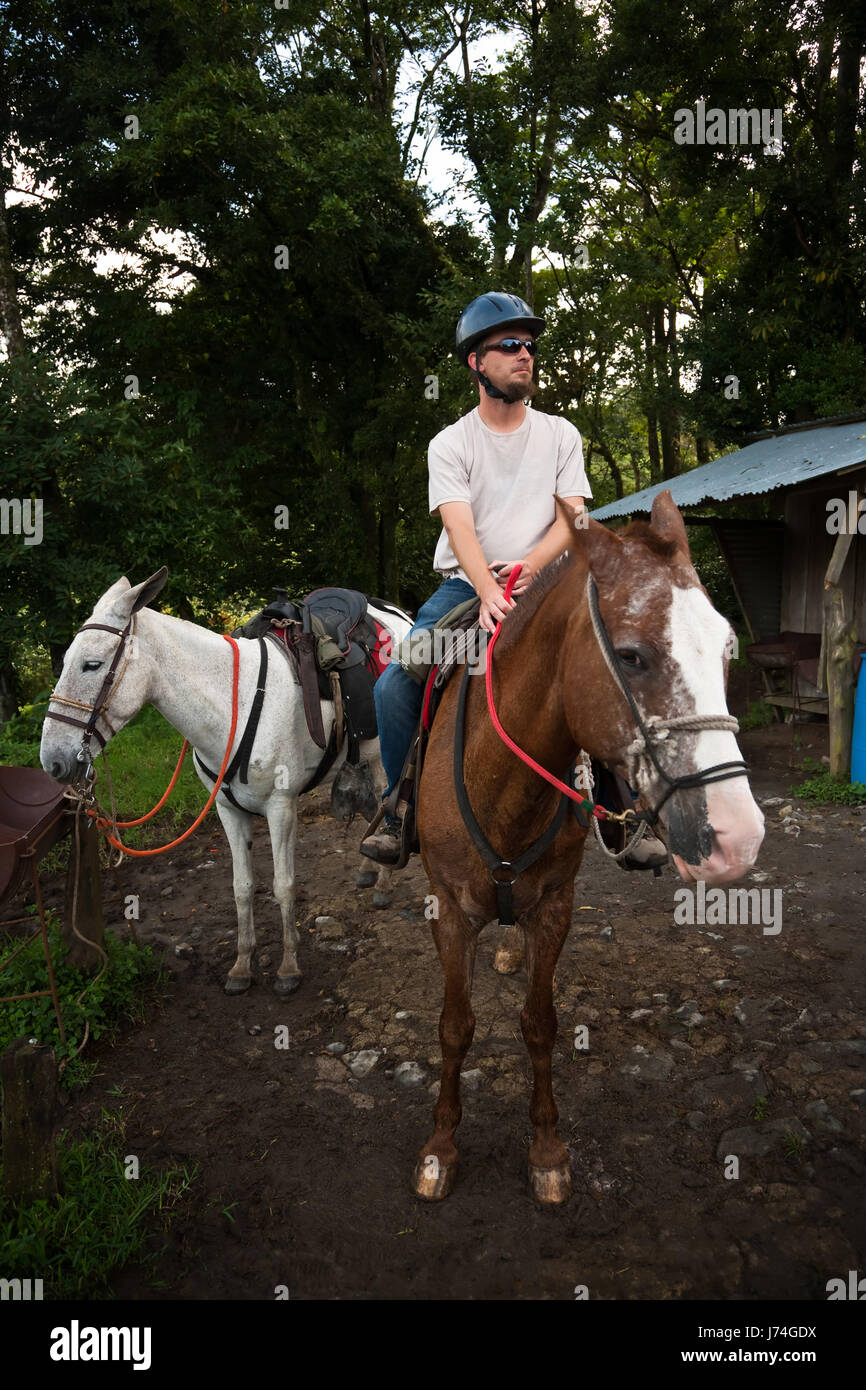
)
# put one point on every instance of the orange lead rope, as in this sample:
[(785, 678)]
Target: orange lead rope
[(103, 824), (598, 811)]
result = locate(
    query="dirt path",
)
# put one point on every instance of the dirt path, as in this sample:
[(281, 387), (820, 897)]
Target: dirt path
[(313, 1164)]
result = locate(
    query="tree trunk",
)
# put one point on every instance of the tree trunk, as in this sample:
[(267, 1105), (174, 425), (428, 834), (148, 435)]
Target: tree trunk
[(387, 571), (10, 690), (668, 377), (29, 1074), (651, 397), (10, 314), (612, 464)]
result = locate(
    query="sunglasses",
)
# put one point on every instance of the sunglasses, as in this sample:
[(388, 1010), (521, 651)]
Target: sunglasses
[(512, 346)]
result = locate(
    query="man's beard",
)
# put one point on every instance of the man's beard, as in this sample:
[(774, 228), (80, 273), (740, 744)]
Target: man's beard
[(516, 393)]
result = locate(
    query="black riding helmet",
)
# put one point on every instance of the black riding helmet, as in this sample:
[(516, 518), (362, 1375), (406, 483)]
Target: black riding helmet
[(486, 313)]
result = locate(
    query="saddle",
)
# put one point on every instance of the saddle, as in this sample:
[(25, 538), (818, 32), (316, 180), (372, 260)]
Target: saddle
[(459, 633), (335, 651)]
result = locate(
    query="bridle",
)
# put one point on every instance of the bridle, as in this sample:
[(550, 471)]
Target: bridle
[(642, 748), (505, 872), (103, 700)]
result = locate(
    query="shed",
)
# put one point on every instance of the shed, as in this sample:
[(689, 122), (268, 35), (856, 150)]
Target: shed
[(800, 571)]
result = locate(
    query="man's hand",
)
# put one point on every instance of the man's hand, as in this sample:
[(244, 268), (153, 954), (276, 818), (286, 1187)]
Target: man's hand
[(494, 606), (525, 578)]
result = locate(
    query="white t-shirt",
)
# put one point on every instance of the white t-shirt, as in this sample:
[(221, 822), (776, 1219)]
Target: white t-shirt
[(507, 479)]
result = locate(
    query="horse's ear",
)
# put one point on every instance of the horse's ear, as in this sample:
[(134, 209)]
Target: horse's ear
[(117, 590), (592, 540), (667, 521), (145, 592)]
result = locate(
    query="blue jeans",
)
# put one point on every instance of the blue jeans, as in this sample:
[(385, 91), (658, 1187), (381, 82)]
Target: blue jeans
[(398, 698)]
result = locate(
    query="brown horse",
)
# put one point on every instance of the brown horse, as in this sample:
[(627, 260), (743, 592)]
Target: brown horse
[(557, 691)]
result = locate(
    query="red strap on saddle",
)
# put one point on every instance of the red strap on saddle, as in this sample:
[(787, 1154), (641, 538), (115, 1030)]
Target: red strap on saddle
[(381, 653), (428, 695)]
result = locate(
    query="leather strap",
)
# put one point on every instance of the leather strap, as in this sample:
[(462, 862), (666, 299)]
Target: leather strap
[(503, 872), (305, 644)]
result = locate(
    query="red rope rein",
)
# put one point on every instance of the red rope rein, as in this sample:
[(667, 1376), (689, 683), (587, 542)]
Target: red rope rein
[(103, 824), (598, 811)]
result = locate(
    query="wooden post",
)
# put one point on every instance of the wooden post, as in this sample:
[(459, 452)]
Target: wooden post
[(28, 1071), (838, 645), (87, 914)]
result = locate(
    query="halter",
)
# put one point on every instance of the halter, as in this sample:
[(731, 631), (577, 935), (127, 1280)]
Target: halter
[(103, 700), (642, 746), (642, 749)]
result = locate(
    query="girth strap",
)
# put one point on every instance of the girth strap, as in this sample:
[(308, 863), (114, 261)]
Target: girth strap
[(503, 871)]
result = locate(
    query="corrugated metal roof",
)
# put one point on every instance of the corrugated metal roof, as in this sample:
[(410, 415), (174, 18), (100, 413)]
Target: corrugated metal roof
[(761, 467)]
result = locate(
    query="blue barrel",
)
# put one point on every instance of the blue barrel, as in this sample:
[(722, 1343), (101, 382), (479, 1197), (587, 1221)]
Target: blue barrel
[(858, 739)]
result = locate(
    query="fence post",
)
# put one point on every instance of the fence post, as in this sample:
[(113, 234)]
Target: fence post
[(28, 1071)]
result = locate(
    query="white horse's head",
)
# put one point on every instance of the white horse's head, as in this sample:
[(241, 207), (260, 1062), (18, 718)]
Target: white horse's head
[(86, 666)]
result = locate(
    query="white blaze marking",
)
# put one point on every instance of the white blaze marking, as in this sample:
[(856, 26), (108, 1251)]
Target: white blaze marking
[(698, 636)]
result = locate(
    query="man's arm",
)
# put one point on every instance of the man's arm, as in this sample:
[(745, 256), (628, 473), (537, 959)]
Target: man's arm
[(552, 543), (460, 526)]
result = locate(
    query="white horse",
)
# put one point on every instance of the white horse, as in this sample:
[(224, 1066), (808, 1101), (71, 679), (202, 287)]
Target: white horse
[(186, 672)]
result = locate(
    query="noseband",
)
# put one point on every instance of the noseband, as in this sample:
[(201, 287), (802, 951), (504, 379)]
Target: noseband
[(103, 700), (655, 729)]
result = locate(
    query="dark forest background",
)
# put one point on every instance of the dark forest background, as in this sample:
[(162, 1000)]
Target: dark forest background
[(268, 263)]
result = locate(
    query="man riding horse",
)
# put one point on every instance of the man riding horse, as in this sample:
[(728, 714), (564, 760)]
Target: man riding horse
[(492, 479)]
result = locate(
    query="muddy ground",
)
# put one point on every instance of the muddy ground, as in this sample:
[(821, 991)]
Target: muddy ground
[(313, 1165)]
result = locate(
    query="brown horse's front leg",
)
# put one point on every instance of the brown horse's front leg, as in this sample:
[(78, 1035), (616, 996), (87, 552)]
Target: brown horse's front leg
[(455, 941), (545, 931)]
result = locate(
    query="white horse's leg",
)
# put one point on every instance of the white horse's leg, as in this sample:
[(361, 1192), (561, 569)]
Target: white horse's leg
[(238, 826), (283, 827), (366, 875)]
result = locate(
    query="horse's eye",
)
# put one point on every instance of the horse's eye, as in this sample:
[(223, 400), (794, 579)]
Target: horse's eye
[(91, 665), (630, 659)]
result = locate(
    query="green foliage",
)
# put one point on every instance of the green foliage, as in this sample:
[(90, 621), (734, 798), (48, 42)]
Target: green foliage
[(824, 787), (99, 1222), (120, 996), (296, 380), (758, 716)]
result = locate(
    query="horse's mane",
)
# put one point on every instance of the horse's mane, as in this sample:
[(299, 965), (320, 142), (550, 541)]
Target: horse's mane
[(528, 605), (550, 576)]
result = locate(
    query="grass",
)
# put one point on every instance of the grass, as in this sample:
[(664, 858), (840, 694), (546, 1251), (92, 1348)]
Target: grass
[(823, 786), (793, 1146), (131, 982), (100, 1221)]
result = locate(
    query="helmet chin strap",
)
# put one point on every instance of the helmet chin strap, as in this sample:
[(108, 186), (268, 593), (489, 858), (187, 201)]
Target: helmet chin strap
[(491, 390)]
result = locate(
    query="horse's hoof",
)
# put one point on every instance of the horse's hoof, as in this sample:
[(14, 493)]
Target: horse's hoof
[(506, 961), (382, 899), (287, 984), (433, 1180), (550, 1185), (366, 878), (237, 985)]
